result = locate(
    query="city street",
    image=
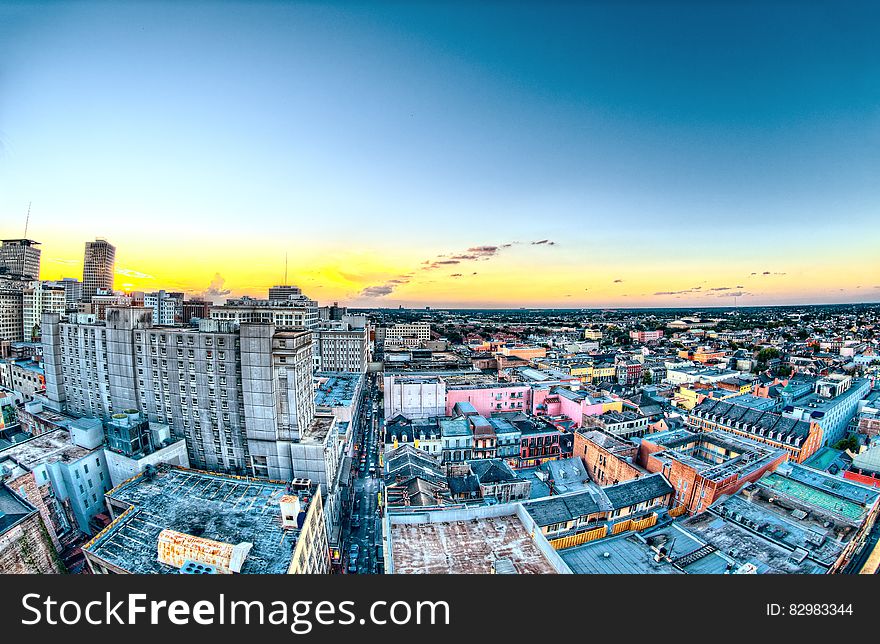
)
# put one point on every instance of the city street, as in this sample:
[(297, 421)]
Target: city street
[(364, 527)]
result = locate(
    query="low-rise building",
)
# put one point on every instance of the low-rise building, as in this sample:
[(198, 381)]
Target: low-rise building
[(167, 517), (703, 466), (607, 460), (620, 424), (799, 438), (25, 547), (793, 520), (473, 540)]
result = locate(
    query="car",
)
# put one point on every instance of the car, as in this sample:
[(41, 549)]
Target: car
[(352, 566), (356, 522), (353, 551), (372, 470)]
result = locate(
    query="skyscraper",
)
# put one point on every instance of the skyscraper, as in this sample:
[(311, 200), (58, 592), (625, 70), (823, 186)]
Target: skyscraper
[(20, 258), (99, 264)]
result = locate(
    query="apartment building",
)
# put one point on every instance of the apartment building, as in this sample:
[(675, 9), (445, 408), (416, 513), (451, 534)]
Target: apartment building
[(39, 298), (239, 395), (167, 307)]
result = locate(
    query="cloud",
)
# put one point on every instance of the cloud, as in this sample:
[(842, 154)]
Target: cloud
[(733, 294), (216, 288), (480, 252), (618, 281), (127, 272), (377, 291), (720, 288), (58, 260), (541, 242)]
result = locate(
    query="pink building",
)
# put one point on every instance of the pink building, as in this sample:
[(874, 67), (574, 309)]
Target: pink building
[(560, 401), (491, 398), (646, 336)]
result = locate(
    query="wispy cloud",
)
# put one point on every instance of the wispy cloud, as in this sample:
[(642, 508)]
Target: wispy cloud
[(127, 272)]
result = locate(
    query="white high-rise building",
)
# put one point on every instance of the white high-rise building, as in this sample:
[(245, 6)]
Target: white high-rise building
[(10, 314), (41, 297), (167, 307)]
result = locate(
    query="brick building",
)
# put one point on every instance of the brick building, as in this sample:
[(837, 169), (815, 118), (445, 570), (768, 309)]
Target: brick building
[(703, 466), (606, 459)]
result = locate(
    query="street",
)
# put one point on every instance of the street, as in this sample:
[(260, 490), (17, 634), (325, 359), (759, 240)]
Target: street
[(364, 527)]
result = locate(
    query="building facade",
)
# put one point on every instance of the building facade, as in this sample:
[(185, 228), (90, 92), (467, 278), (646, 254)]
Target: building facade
[(20, 258), (99, 266), (240, 396)]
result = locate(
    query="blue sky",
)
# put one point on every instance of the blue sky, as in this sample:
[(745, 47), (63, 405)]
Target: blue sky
[(652, 142)]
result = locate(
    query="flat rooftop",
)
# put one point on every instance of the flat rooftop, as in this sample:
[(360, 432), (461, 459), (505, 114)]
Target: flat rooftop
[(620, 555), (465, 547), (50, 447), (213, 506), (338, 389)]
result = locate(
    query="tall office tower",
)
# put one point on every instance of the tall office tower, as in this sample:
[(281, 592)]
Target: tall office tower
[(20, 258), (41, 297), (279, 293), (167, 307), (99, 264), (240, 395)]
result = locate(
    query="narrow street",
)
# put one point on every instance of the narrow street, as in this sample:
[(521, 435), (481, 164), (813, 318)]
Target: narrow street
[(363, 528)]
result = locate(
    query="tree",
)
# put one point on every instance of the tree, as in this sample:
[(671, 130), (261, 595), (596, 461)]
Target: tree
[(647, 378), (850, 442)]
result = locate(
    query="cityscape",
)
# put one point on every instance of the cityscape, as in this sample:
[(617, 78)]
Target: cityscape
[(153, 432), (439, 288)]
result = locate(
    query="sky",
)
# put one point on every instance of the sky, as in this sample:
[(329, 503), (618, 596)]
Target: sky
[(608, 154)]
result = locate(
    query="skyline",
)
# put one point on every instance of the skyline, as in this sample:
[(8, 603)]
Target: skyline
[(425, 155)]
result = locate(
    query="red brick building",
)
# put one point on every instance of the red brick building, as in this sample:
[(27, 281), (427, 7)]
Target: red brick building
[(607, 460), (702, 466)]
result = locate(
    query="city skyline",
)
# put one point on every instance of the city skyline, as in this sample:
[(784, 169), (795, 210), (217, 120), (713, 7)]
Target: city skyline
[(424, 156)]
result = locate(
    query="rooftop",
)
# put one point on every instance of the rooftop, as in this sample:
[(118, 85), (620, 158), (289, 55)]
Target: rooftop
[(337, 389), (50, 447), (465, 547), (222, 508)]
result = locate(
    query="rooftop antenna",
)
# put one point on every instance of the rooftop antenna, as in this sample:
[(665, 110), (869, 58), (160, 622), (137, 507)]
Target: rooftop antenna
[(27, 220), (285, 268)]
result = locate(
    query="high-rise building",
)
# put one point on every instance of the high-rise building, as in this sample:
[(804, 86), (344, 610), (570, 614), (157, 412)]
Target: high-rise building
[(73, 291), (167, 307), (20, 258), (284, 292), (11, 303), (342, 348), (240, 396), (99, 264), (41, 297)]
